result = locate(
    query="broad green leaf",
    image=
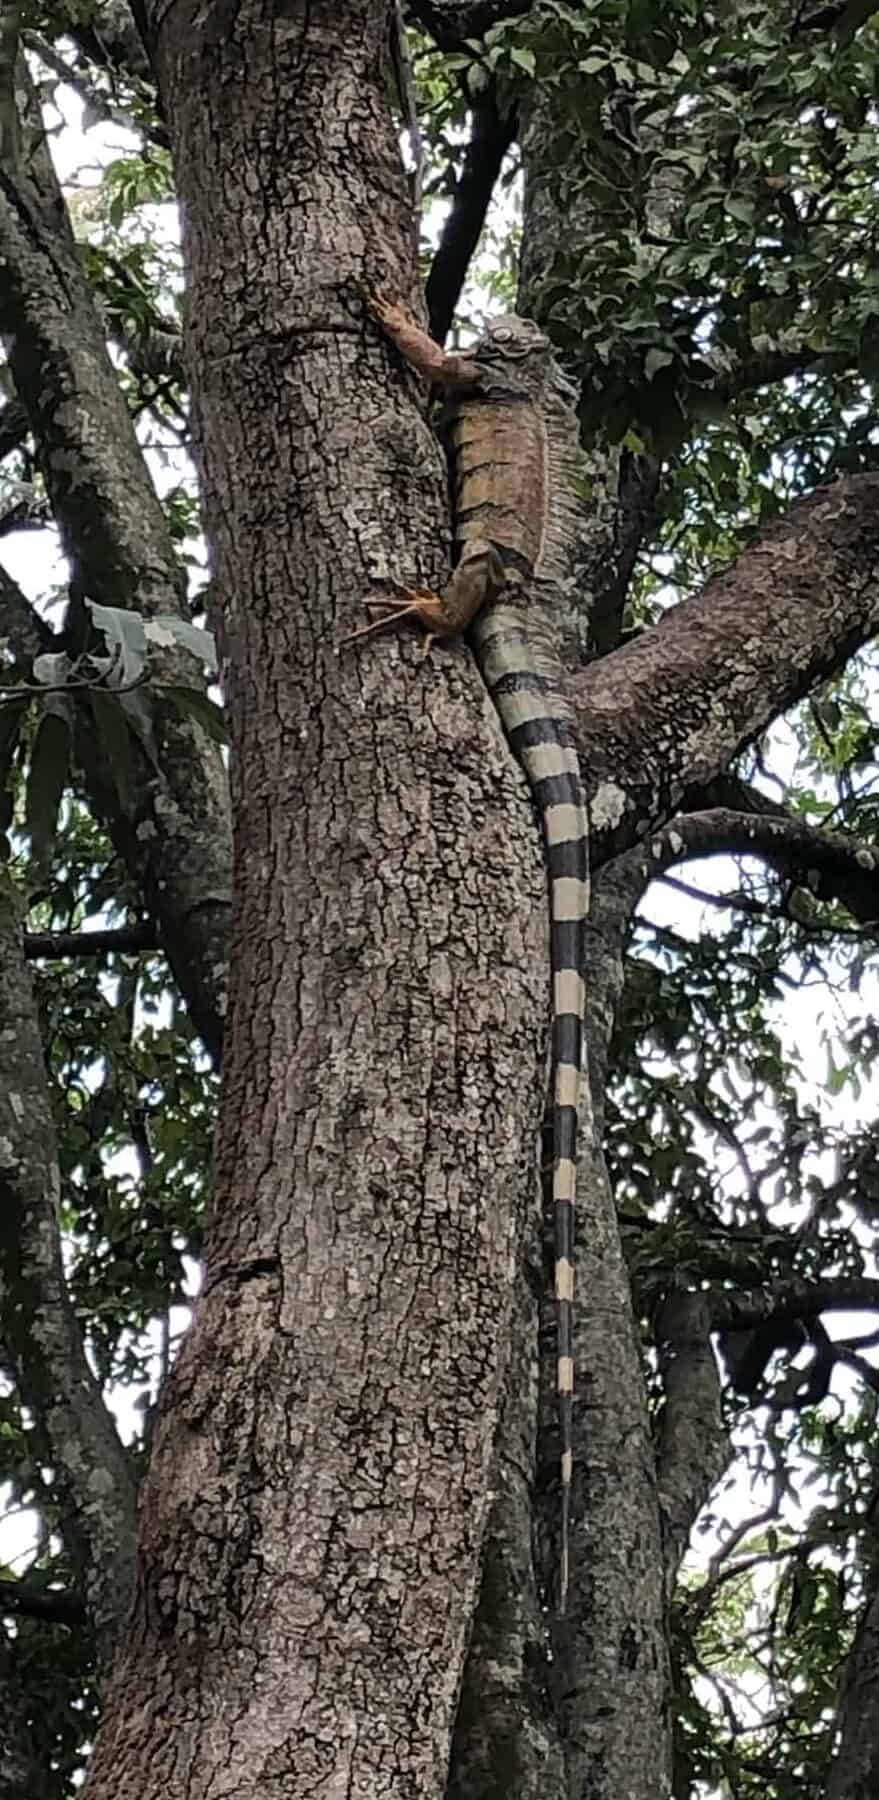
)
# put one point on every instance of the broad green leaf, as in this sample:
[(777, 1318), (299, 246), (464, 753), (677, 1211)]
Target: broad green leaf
[(138, 709), (124, 632), (656, 360), (523, 59), (52, 668)]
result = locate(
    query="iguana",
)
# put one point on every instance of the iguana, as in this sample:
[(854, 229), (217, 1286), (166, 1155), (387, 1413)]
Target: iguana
[(512, 436)]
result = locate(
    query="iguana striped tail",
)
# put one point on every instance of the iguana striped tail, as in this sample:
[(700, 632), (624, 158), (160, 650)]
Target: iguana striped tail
[(536, 722)]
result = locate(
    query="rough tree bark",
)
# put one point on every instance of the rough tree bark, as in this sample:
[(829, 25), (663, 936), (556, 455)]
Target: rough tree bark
[(855, 1773)]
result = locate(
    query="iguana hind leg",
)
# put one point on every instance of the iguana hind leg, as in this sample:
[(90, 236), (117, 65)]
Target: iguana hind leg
[(426, 608), (478, 579)]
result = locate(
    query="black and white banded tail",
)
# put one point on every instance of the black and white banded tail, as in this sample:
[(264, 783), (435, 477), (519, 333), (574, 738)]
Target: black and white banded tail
[(525, 691)]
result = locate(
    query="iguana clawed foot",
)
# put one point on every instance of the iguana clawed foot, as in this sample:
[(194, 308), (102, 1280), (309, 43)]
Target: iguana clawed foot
[(416, 346), (390, 314), (426, 608)]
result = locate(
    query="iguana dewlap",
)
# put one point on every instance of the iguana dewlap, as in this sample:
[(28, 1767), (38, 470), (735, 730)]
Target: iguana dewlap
[(512, 437)]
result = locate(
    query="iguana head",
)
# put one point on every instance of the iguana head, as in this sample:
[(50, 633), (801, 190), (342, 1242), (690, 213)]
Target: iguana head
[(511, 339), (515, 354)]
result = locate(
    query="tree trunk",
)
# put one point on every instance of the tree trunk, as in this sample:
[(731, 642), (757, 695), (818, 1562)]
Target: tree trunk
[(313, 1518), (855, 1772), (361, 1376), (172, 833), (41, 1337)]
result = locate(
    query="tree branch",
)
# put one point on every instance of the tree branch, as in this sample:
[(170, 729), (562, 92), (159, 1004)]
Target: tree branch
[(123, 940), (174, 835), (20, 623), (14, 428), (792, 1297), (693, 1448), (766, 368), (451, 22), (114, 39), (674, 706), (828, 863), (96, 102), (855, 1768), (490, 139), (25, 1773), (40, 1331), (55, 1606)]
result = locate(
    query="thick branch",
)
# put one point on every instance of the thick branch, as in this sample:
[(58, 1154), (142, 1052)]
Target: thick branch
[(55, 1606), (490, 139), (637, 486), (771, 366), (793, 1297), (14, 427), (676, 705), (40, 1331), (126, 939), (855, 1771), (693, 1448), (97, 103), (113, 39), (505, 1720), (616, 1645), (23, 1776), (20, 624)]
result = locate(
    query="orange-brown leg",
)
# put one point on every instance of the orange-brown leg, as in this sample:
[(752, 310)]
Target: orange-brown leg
[(426, 608)]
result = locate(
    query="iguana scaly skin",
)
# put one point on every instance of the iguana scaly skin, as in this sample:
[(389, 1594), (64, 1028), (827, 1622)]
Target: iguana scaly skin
[(512, 435)]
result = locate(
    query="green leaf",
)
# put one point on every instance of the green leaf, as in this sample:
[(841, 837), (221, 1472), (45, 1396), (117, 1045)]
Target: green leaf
[(52, 668), (49, 763), (523, 59), (138, 709), (656, 360), (740, 209), (126, 638)]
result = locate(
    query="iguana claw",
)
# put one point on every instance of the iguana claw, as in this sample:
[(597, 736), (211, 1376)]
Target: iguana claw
[(426, 608)]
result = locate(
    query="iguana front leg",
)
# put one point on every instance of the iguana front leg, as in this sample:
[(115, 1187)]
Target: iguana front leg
[(441, 367), (479, 576)]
